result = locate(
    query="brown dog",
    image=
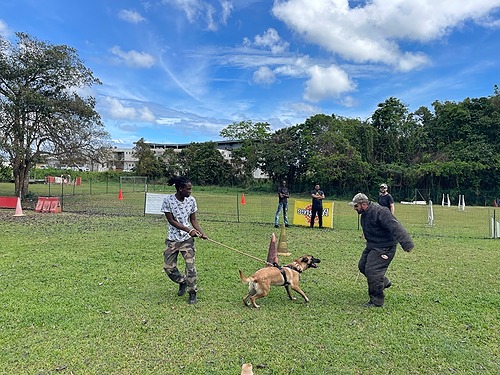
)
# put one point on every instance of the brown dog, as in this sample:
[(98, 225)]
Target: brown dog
[(259, 284)]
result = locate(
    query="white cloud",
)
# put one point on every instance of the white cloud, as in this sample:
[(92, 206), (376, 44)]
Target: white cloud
[(211, 14), (145, 114), (271, 40), (117, 110), (304, 108), (227, 8), (371, 32), (264, 76), (327, 82), (192, 8), (169, 121), (131, 16), (134, 58), (4, 29)]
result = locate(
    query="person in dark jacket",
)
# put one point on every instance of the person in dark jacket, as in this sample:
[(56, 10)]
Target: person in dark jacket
[(382, 232)]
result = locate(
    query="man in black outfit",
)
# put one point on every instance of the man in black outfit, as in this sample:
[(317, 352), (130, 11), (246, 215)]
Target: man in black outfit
[(385, 199), (317, 205), (382, 232)]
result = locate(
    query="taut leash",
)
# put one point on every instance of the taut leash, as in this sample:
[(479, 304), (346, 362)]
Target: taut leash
[(240, 252)]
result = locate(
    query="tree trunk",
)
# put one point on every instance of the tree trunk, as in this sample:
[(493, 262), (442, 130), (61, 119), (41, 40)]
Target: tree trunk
[(21, 180)]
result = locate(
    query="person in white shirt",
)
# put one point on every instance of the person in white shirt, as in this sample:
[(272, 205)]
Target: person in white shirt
[(180, 210)]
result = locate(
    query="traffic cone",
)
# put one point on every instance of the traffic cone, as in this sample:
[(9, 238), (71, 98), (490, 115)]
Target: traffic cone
[(272, 254), (120, 195), (19, 209), (243, 198), (246, 369), (282, 246)]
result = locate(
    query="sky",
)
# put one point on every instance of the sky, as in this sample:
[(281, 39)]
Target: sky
[(179, 71)]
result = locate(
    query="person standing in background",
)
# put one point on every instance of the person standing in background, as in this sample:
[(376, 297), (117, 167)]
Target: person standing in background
[(317, 205), (283, 195), (385, 199)]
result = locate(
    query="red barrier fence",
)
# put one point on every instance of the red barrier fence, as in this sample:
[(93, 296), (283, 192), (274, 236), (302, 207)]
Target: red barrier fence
[(8, 202), (48, 204)]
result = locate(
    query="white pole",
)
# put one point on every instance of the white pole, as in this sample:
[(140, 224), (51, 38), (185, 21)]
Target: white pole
[(431, 214), (463, 202), (442, 201), (448, 196)]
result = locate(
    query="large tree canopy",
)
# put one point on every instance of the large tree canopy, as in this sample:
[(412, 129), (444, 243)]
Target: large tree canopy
[(454, 149), (42, 110)]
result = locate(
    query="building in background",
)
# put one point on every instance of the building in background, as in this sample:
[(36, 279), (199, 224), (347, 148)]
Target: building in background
[(123, 159)]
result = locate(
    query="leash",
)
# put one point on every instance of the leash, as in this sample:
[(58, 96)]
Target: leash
[(240, 252)]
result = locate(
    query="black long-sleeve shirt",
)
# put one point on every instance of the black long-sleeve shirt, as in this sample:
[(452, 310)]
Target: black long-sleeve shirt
[(382, 229)]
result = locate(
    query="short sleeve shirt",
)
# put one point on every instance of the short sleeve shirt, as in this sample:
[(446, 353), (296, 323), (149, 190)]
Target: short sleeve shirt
[(315, 201), (283, 190), (385, 200), (181, 211)]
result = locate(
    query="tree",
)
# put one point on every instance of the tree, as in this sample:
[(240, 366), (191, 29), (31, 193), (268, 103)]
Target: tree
[(239, 131), (148, 164), (248, 157), (391, 121), (281, 156), (42, 111), (205, 165)]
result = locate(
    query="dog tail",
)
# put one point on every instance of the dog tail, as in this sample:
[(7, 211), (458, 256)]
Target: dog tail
[(243, 278)]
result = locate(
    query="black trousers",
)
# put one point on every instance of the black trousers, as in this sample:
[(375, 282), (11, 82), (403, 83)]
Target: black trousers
[(373, 264), (319, 211)]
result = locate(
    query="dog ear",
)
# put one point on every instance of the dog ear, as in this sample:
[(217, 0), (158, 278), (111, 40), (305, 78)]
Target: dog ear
[(305, 259)]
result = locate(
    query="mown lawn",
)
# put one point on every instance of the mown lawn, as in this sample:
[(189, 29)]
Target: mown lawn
[(85, 294)]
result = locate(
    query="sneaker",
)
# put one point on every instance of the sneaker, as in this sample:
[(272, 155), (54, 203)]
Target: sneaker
[(192, 298), (276, 226), (182, 289), (286, 225), (370, 304)]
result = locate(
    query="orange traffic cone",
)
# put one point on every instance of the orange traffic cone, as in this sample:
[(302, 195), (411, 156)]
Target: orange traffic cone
[(120, 195), (243, 198), (246, 369), (272, 254), (282, 246), (19, 209)]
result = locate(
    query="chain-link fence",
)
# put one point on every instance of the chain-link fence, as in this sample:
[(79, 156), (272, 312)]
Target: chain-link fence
[(109, 198)]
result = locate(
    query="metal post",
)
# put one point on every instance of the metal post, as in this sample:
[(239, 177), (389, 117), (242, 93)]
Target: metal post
[(237, 208)]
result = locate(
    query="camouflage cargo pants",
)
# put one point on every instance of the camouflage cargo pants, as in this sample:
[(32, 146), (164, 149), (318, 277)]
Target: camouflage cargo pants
[(187, 250)]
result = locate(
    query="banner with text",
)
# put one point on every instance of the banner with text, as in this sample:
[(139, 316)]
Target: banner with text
[(302, 213)]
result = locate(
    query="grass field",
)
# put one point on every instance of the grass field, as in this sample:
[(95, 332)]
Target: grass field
[(85, 294)]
